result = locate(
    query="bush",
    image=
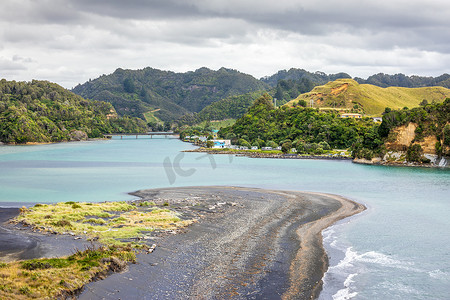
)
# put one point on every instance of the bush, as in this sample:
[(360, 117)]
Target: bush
[(209, 144), (318, 150), (286, 146), (271, 144), (300, 146), (324, 145), (244, 143), (414, 153)]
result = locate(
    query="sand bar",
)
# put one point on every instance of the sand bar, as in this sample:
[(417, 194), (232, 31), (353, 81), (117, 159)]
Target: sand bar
[(259, 244), (248, 244)]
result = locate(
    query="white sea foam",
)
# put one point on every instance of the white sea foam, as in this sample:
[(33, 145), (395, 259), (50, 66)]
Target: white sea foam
[(346, 293), (347, 261), (439, 274)]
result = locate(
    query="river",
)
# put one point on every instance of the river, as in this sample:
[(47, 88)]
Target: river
[(398, 249)]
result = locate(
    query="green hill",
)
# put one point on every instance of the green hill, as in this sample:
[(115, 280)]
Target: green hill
[(369, 99), (386, 80), (294, 74), (41, 111), (232, 107), (164, 95)]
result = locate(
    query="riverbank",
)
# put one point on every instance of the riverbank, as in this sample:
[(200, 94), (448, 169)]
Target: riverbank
[(248, 243), (268, 154), (443, 162)]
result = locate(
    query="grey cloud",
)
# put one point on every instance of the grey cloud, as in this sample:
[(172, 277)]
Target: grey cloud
[(39, 12), (11, 65)]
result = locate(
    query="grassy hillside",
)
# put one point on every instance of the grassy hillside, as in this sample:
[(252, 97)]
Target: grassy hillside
[(168, 94), (41, 111), (369, 99)]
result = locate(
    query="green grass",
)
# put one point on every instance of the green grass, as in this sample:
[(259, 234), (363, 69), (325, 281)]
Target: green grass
[(110, 222), (372, 98), (217, 124), (50, 278), (150, 117), (113, 223)]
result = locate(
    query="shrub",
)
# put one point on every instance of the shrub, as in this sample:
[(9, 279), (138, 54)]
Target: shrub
[(324, 145), (300, 147), (414, 153), (271, 144), (286, 146)]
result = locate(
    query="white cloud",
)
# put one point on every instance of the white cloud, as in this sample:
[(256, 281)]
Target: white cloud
[(71, 41)]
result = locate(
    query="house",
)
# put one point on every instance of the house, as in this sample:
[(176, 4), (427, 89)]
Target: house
[(378, 119), (214, 133), (243, 148), (266, 148), (293, 150), (351, 115), (222, 143), (254, 148), (278, 148)]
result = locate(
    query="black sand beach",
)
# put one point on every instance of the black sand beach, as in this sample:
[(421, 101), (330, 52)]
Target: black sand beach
[(248, 244), (20, 243)]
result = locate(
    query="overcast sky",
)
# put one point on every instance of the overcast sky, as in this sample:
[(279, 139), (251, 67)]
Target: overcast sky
[(71, 41)]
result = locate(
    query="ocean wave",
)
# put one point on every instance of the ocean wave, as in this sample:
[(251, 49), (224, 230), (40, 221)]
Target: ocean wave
[(346, 293)]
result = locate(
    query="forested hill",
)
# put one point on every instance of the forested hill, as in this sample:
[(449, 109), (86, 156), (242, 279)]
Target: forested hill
[(41, 111), (167, 95), (401, 80), (293, 74), (232, 107)]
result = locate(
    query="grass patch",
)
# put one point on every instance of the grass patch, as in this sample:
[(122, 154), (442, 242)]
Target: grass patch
[(53, 278), (114, 224), (109, 222)]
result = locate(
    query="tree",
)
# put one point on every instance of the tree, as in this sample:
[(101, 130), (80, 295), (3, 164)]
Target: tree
[(414, 153), (271, 144), (286, 146), (128, 85), (300, 147), (209, 144)]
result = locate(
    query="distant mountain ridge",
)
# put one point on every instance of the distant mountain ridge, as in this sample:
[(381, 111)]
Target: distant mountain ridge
[(156, 95), (295, 74), (401, 80), (168, 94)]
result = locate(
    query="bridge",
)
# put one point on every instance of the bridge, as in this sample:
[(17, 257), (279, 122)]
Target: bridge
[(151, 134)]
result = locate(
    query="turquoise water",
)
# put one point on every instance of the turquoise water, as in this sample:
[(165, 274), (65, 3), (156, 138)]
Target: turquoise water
[(398, 249)]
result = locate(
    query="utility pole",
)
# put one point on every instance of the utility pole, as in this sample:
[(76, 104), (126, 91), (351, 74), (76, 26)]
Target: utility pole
[(275, 102)]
